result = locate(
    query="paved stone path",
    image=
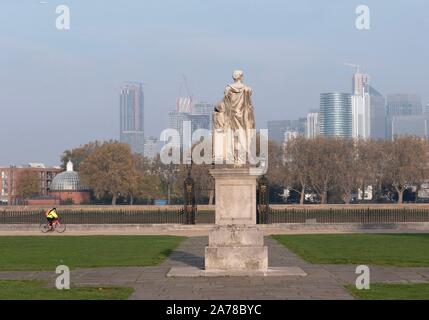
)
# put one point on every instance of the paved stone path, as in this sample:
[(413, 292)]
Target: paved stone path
[(322, 281)]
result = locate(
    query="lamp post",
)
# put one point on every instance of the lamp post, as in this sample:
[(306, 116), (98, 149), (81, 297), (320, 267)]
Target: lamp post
[(189, 197), (263, 200)]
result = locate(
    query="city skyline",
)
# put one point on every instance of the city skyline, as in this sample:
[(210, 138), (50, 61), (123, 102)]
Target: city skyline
[(71, 78)]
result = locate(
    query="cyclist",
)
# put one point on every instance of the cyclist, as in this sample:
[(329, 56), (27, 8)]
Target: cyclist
[(51, 216)]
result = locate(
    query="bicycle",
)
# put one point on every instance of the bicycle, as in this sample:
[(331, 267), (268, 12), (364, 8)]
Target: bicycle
[(57, 226)]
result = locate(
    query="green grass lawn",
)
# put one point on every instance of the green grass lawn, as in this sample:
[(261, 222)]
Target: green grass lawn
[(46, 253), (36, 290), (403, 250), (381, 291)]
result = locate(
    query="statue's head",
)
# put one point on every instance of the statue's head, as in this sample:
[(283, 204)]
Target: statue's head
[(237, 75)]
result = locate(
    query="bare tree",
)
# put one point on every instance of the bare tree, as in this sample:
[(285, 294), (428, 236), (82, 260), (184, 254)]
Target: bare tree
[(324, 173), (346, 157), (299, 164), (406, 163)]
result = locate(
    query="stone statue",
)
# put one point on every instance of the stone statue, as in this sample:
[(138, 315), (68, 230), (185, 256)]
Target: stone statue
[(233, 121)]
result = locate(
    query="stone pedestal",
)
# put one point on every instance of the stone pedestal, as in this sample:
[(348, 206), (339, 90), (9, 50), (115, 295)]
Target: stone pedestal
[(236, 248), (236, 243)]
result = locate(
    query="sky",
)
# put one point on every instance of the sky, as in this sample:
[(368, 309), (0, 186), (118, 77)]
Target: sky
[(60, 89)]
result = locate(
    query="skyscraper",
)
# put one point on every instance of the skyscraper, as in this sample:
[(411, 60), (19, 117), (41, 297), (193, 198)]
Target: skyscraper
[(378, 114), (175, 121), (403, 105), (203, 108), (398, 108), (313, 127), (200, 121), (360, 83), (132, 116), (361, 106), (201, 117), (336, 115)]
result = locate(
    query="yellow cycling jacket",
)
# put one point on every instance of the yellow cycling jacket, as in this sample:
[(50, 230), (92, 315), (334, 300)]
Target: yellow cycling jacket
[(52, 214)]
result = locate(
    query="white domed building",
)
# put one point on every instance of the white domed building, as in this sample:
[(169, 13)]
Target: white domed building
[(67, 188)]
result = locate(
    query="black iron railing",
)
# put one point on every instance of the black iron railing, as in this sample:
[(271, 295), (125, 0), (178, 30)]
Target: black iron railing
[(88, 216), (266, 215), (358, 215)]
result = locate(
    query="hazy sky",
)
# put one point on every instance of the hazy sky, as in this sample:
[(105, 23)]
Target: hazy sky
[(59, 89)]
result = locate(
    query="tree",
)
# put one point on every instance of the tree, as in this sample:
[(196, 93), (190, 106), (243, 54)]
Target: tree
[(168, 176), (147, 184), (370, 165), (406, 163), (203, 181), (276, 164), (347, 170), (324, 172), (109, 170), (299, 163), (79, 154), (28, 185)]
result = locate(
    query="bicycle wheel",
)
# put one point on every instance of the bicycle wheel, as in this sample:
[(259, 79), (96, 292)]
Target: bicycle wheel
[(60, 228), (44, 227)]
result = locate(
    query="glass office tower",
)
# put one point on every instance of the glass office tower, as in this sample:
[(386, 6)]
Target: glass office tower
[(336, 115), (132, 116)]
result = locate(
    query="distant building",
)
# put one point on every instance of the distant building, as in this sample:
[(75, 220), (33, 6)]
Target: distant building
[(278, 128), (200, 121), (361, 107), (203, 108), (426, 110), (151, 147), (184, 104), (360, 83), (9, 180), (409, 126), (368, 109), (378, 114), (175, 121), (313, 128), (199, 115), (132, 116), (336, 115), (402, 106), (290, 135)]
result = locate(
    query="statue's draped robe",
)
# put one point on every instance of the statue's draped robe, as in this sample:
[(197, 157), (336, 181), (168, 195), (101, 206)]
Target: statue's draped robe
[(234, 117)]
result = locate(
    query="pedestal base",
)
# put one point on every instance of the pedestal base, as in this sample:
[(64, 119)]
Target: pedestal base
[(236, 248), (193, 272)]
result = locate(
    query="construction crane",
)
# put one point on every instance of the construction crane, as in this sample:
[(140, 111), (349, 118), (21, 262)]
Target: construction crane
[(353, 65)]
